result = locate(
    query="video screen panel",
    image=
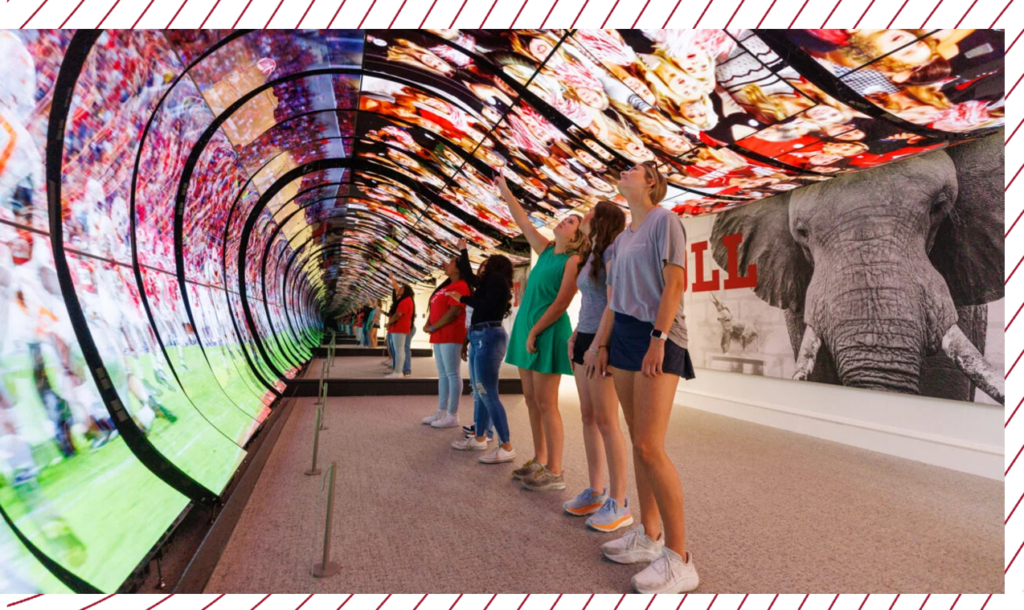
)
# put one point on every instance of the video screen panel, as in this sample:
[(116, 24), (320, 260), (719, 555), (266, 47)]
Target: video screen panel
[(205, 434), (22, 573), (947, 80), (63, 465)]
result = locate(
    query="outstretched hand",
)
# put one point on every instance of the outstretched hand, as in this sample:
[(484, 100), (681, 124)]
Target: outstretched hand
[(462, 243), (502, 185)]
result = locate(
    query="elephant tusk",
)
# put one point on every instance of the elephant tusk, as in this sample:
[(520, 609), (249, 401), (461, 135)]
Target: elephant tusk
[(968, 359), (807, 355)]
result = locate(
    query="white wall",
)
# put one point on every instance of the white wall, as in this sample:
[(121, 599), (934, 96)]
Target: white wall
[(958, 435)]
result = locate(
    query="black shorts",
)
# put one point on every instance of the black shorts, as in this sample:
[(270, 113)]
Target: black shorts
[(629, 343), (583, 343)]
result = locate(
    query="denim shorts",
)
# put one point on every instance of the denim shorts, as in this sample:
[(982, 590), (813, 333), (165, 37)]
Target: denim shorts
[(629, 343)]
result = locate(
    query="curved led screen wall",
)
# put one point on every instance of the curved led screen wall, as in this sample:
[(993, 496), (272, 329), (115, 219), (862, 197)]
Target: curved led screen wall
[(179, 211)]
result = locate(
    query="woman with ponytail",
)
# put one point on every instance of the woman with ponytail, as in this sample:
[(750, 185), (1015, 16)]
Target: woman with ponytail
[(641, 341)]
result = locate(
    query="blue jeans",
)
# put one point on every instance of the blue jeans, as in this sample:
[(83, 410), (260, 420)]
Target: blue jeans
[(487, 351), (398, 341), (480, 417), (407, 367), (408, 350), (448, 357)]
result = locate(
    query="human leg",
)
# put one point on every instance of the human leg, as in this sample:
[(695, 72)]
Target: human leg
[(593, 443)]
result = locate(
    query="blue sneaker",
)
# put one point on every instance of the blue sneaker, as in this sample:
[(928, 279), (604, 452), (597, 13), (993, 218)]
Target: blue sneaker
[(611, 516), (589, 501)]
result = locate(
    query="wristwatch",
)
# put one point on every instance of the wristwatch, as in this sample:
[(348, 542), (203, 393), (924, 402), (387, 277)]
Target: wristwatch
[(657, 334)]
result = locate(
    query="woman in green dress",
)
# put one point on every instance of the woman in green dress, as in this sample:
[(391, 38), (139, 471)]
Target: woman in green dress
[(540, 337)]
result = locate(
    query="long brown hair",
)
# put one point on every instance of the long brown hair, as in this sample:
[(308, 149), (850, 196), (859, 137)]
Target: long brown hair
[(609, 220), (500, 266)]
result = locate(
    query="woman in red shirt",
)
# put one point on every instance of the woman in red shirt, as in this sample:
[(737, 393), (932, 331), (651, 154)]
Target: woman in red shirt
[(399, 325), (447, 328), (360, 320)]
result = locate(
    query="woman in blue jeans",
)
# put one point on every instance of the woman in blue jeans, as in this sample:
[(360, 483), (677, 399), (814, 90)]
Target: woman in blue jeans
[(407, 368), (446, 326), (491, 303)]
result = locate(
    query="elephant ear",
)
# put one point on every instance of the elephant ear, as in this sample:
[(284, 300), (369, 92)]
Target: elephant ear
[(783, 271), (969, 243)]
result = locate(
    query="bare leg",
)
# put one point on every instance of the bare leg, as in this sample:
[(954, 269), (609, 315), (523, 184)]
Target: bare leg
[(606, 415), (592, 441), (545, 387), (650, 518), (650, 425), (540, 446)]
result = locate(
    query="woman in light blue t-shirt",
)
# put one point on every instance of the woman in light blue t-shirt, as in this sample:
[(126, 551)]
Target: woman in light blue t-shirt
[(642, 341)]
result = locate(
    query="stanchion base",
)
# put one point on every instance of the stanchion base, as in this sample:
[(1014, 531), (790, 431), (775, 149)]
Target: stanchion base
[(312, 472), (325, 571)]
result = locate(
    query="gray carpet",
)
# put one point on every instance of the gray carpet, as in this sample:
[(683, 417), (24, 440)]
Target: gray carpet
[(363, 367), (767, 511)]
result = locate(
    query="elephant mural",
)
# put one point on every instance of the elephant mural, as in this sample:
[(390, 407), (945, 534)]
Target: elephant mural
[(884, 275)]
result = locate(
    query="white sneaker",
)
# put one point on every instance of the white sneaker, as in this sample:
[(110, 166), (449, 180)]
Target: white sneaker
[(635, 547), (498, 456), (430, 419), (667, 574), (469, 444), (393, 376), (445, 421)]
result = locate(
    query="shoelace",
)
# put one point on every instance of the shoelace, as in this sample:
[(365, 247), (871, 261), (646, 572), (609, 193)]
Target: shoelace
[(634, 539), (663, 566)]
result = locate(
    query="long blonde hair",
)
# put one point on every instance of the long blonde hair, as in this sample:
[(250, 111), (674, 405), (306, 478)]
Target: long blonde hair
[(580, 242)]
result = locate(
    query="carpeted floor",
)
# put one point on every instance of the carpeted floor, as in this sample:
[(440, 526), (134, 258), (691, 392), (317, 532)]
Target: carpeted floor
[(363, 367), (767, 511)]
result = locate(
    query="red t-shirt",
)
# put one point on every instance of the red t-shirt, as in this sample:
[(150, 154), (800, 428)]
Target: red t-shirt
[(455, 332), (404, 324)]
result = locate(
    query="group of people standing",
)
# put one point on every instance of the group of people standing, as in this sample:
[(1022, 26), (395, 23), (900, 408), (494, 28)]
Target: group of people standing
[(629, 348)]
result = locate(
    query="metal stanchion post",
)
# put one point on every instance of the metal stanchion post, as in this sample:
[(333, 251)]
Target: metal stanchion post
[(323, 405), (326, 567), (313, 470)]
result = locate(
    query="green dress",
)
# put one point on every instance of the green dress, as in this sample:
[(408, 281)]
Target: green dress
[(552, 344)]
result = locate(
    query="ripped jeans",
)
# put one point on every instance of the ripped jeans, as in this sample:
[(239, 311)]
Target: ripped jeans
[(486, 352)]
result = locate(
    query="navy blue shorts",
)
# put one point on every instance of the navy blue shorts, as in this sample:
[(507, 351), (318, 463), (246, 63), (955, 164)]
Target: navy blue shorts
[(629, 343)]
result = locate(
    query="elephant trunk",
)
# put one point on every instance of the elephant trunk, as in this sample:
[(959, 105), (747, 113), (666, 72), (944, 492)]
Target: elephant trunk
[(880, 316), (887, 356)]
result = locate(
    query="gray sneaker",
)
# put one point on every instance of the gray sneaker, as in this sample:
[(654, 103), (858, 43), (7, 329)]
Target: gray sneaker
[(526, 469), (544, 480)]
